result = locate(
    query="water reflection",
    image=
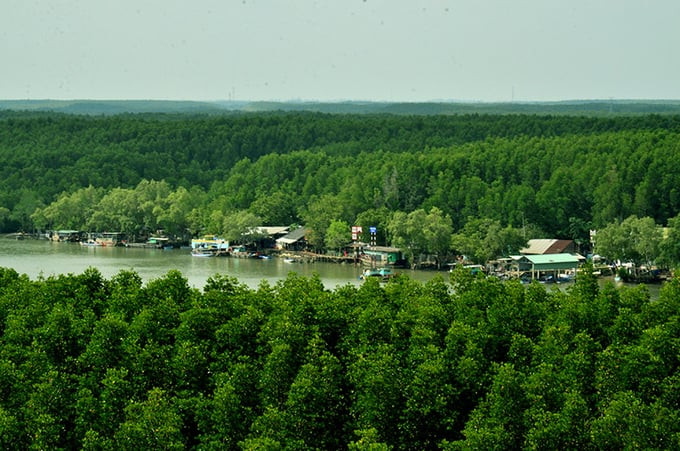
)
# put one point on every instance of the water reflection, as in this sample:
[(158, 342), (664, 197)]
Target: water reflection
[(45, 258), (35, 258)]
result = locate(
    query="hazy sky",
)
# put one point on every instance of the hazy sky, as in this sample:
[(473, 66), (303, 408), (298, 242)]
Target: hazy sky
[(397, 50)]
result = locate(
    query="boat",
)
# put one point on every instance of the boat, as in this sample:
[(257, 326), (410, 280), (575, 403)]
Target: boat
[(384, 274), (210, 241), (203, 252), (209, 246), (110, 239), (154, 242), (90, 243)]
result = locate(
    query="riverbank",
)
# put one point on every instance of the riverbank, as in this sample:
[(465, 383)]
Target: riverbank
[(42, 258)]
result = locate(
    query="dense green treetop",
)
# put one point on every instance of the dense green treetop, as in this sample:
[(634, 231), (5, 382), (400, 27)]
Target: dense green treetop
[(89, 362)]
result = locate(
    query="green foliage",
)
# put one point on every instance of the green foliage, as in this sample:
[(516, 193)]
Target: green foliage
[(240, 227), (69, 211), (319, 216), (337, 235), (368, 441), (669, 248), (28, 202), (437, 232), (175, 214), (4, 218), (633, 240), (276, 208), (420, 232), (482, 240), (180, 173), (316, 406), (628, 422), (476, 363), (10, 431), (496, 423), (150, 424)]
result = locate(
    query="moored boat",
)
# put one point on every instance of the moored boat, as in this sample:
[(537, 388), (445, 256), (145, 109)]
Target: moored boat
[(203, 253), (384, 274), (209, 246), (90, 243)]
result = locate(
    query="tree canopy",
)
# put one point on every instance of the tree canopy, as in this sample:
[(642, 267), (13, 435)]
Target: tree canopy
[(554, 173), (89, 362)]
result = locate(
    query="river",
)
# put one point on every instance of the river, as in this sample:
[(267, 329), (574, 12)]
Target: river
[(37, 258)]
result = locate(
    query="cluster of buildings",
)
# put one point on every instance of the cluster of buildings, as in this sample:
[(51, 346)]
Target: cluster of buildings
[(548, 260), (543, 259)]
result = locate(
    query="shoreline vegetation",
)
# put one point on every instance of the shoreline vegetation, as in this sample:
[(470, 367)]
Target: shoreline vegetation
[(629, 274), (88, 362)]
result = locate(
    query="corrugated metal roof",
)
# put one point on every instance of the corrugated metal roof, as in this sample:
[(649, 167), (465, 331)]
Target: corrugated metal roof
[(545, 246), (292, 237), (537, 246), (272, 230), (559, 246)]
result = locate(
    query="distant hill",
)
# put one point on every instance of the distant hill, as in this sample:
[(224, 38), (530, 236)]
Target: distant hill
[(110, 107), (573, 107), (586, 107)]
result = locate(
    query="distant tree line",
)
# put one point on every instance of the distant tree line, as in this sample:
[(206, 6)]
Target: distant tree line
[(555, 176), (91, 363)]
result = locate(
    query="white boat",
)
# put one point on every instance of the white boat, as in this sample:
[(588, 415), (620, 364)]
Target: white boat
[(198, 252), (90, 243)]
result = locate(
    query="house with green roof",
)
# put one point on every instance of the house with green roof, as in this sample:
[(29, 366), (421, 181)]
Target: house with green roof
[(538, 265)]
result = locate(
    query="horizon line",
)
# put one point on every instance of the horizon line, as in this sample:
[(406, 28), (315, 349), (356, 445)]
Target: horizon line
[(298, 100)]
